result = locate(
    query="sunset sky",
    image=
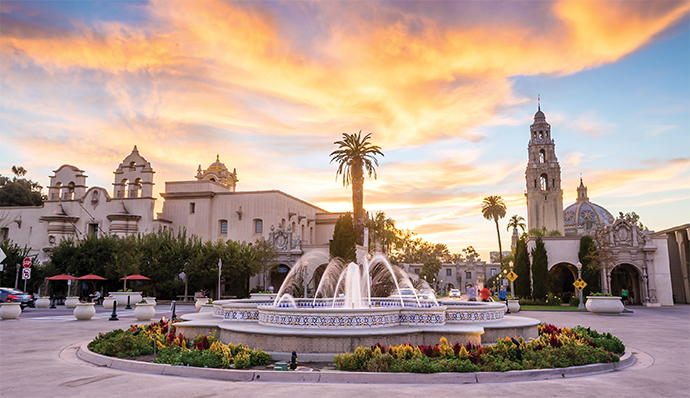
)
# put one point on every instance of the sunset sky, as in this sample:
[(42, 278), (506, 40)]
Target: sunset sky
[(448, 89)]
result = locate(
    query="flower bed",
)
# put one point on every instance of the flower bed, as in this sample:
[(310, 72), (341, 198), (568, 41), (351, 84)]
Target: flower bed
[(555, 348), (203, 351)]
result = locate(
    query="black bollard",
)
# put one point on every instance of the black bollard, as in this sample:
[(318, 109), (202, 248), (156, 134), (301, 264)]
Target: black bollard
[(52, 301), (172, 308), (128, 307), (293, 361), (113, 316)]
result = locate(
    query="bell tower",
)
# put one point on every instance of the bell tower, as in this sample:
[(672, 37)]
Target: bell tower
[(543, 177)]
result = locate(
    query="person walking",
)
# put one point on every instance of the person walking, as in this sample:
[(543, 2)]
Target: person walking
[(471, 293), (624, 296), (631, 297)]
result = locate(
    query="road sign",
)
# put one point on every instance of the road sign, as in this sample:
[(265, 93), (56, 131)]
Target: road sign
[(512, 276), (27, 262), (2, 255), (579, 284), (26, 273)]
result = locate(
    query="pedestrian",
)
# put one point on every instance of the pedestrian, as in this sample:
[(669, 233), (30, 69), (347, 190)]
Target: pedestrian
[(631, 297), (485, 294), (624, 296), (503, 294), (471, 293)]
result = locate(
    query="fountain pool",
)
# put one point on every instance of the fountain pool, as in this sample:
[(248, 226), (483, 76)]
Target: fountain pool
[(344, 314)]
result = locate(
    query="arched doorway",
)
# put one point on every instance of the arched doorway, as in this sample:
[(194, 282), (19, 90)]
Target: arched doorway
[(561, 279), (278, 276), (626, 276)]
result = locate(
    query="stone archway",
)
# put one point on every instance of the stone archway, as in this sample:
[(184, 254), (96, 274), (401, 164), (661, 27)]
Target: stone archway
[(561, 279), (278, 275), (626, 276)]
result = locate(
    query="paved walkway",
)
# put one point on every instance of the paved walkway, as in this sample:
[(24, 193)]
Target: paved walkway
[(37, 359)]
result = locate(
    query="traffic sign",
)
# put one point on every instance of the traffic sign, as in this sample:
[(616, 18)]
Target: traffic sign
[(579, 284), (26, 273), (2, 255), (512, 276), (27, 262)]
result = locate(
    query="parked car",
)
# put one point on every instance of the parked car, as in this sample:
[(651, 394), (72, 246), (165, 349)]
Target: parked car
[(454, 293), (9, 294), (404, 293), (427, 294)]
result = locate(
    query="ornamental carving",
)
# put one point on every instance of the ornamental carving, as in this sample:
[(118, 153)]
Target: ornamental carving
[(284, 240)]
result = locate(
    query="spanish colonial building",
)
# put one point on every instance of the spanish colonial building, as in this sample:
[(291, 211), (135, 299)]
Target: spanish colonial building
[(638, 259), (209, 206)]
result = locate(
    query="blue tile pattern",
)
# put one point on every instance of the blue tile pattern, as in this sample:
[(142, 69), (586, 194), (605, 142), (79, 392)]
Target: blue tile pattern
[(473, 316), (407, 318), (317, 320), (241, 315)]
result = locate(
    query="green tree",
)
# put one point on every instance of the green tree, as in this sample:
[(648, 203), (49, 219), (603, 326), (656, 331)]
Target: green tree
[(266, 255), (540, 271), (343, 244), (588, 257), (355, 155), (127, 258), (382, 230), (430, 269), (516, 222), (494, 209), (470, 254), (15, 256), (20, 191), (540, 232), (521, 267)]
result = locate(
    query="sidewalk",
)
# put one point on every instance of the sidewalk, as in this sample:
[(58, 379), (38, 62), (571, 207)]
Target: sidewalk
[(38, 360)]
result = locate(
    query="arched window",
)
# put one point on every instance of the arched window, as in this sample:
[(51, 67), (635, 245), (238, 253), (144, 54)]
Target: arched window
[(223, 227), (541, 135), (68, 193), (544, 182), (542, 156), (122, 189), (132, 166), (134, 188), (258, 226)]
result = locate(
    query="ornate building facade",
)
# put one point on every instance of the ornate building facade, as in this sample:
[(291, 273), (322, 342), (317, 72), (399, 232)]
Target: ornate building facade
[(636, 260)]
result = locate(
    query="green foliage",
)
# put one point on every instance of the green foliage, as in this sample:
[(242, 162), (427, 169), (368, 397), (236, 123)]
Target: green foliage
[(15, 255), (493, 208), (590, 268), (540, 271), (121, 343), (606, 340), (553, 300), (522, 268), (356, 361), (430, 269), (343, 244), (575, 301), (20, 191), (265, 255)]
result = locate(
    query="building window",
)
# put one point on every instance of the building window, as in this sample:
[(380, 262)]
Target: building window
[(93, 229), (192, 208), (223, 227), (449, 272), (544, 181), (494, 271), (468, 275), (4, 234), (542, 156), (416, 271), (258, 226)]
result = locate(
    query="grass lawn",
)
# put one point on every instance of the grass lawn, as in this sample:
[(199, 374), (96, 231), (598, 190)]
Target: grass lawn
[(549, 308)]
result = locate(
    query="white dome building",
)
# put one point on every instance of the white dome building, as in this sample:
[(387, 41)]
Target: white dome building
[(583, 216)]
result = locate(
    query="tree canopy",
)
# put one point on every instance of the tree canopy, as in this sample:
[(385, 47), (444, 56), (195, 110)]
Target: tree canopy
[(343, 244), (493, 208), (20, 191)]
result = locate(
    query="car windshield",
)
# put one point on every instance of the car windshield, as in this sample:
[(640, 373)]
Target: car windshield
[(403, 292)]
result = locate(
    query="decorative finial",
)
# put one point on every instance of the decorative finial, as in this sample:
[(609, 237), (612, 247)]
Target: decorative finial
[(538, 102), (217, 158)]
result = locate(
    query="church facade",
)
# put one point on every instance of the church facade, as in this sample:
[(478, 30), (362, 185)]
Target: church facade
[(208, 206), (637, 260)]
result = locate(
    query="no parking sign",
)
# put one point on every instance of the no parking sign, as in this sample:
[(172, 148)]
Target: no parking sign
[(26, 273)]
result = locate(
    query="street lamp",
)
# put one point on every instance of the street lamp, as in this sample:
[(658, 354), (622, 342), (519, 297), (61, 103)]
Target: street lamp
[(581, 306), (512, 292)]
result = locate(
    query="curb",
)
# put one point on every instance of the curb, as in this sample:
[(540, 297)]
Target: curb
[(86, 355)]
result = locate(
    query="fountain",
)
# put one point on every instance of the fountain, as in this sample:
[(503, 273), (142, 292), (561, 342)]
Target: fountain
[(347, 310)]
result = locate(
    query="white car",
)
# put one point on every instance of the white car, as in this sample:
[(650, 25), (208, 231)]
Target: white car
[(454, 293), (426, 294), (404, 293)]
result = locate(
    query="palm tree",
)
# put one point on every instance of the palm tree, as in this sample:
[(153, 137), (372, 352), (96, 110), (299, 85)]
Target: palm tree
[(493, 208), (516, 222), (382, 230), (354, 155)]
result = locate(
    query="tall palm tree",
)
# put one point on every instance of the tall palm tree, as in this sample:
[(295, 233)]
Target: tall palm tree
[(355, 155), (382, 230), (493, 208), (516, 222)]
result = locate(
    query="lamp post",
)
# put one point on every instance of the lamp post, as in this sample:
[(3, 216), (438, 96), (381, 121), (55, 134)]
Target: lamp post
[(512, 292), (504, 273), (581, 306)]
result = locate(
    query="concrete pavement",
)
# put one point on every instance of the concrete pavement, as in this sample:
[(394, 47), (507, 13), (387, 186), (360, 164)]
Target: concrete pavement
[(38, 359)]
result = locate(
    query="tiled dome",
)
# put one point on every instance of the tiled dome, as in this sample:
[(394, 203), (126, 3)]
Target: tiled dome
[(584, 214)]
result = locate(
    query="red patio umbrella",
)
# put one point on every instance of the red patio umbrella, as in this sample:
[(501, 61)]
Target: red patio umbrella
[(135, 277), (92, 277), (63, 277)]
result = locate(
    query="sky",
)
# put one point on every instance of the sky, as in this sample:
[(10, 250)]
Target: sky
[(448, 89)]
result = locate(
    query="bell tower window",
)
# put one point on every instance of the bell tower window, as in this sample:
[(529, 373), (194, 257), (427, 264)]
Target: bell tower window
[(544, 182), (542, 156)]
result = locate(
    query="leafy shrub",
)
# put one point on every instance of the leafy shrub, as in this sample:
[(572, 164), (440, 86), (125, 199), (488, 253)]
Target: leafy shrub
[(575, 302), (552, 300), (120, 343), (606, 341)]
